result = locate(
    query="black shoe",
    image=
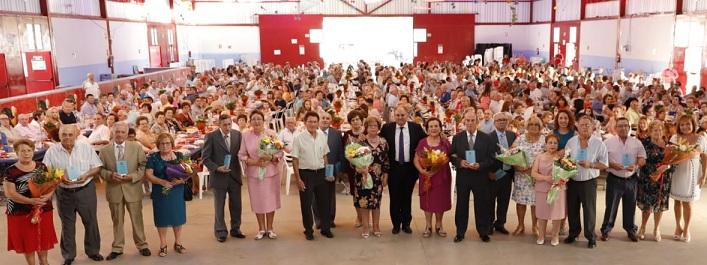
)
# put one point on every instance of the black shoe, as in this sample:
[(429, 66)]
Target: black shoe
[(501, 230), (458, 239), (633, 237), (145, 252), (407, 229), (333, 225), (309, 236), (327, 234), (396, 230), (485, 238), (221, 239), (96, 257), (237, 234), (592, 244), (68, 261), (113, 255), (570, 240), (604, 237)]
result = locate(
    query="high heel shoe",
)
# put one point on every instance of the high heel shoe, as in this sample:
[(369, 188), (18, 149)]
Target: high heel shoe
[(272, 235), (441, 232), (179, 248), (163, 251), (656, 235), (685, 237), (555, 241), (427, 233), (540, 241), (365, 235), (519, 230), (260, 235), (642, 234), (377, 233), (678, 233)]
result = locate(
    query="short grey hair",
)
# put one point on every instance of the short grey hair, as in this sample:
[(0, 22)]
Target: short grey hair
[(64, 127), (120, 124)]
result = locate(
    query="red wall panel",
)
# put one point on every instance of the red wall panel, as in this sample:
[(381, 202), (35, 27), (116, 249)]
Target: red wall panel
[(455, 32), (277, 32)]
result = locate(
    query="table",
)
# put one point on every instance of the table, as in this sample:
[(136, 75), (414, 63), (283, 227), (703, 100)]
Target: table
[(38, 156)]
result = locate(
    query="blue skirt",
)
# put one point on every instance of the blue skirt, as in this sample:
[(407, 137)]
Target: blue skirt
[(169, 210)]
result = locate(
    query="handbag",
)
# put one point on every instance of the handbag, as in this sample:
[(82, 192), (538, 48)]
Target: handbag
[(188, 194)]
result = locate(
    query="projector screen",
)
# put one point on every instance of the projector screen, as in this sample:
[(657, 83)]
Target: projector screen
[(386, 40)]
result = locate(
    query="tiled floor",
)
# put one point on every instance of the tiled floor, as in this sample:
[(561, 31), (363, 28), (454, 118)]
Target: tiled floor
[(349, 248)]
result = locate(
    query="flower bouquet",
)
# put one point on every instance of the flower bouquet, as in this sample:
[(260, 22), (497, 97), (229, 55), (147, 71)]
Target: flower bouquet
[(268, 147), (562, 170), (180, 170), (431, 160), (675, 153), (513, 157), (360, 157), (44, 181)]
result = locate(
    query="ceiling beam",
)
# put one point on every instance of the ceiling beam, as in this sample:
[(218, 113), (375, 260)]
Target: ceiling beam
[(379, 6), (354, 7)]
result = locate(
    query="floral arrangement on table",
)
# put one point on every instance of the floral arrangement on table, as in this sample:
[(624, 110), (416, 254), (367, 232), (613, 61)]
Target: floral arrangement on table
[(562, 169), (44, 181), (268, 147), (182, 169), (675, 153), (431, 160), (360, 157), (338, 105), (201, 123)]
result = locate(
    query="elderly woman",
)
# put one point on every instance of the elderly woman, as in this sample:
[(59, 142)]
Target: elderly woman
[(367, 200), (542, 173), (23, 236), (689, 175), (653, 196), (356, 134), (263, 174), (169, 207), (531, 142), (172, 123), (143, 133), (160, 125), (435, 184)]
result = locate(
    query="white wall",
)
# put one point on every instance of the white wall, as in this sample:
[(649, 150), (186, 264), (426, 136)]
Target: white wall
[(79, 52), (597, 47), (220, 42), (526, 39), (129, 46), (568, 10), (650, 41)]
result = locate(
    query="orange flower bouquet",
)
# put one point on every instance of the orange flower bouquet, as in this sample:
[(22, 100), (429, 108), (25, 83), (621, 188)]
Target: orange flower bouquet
[(44, 181), (675, 153), (432, 160)]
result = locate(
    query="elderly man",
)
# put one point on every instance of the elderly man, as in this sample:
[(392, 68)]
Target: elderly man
[(67, 115), (89, 107), (26, 129), (288, 134), (101, 133), (502, 183), (77, 192), (335, 158), (90, 86), (123, 169)]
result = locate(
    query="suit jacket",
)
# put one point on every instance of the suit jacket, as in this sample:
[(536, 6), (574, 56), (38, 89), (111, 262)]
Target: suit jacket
[(485, 152), (390, 129), (117, 191), (511, 138), (336, 147), (214, 152)]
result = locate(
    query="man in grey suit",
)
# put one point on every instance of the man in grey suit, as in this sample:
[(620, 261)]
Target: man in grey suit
[(502, 179), (225, 179), (335, 157)]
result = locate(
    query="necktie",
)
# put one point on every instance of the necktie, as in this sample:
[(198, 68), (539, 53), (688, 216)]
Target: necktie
[(121, 152), (471, 141), (504, 142), (401, 146), (228, 142)]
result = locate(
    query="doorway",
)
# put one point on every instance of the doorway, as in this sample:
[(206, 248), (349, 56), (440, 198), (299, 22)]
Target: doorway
[(564, 40), (688, 56)]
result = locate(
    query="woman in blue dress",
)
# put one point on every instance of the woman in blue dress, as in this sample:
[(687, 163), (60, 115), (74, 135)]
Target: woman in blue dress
[(169, 208)]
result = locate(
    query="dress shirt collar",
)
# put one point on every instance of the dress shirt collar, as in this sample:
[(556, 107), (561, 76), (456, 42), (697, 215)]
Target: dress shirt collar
[(398, 126)]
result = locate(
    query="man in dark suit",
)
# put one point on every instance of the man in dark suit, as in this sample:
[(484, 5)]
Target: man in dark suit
[(473, 177), (403, 137), (502, 179), (225, 179), (335, 157)]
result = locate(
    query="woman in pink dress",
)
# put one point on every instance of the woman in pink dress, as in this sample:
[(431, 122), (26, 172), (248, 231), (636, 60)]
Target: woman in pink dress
[(263, 190), (542, 173), (435, 185)]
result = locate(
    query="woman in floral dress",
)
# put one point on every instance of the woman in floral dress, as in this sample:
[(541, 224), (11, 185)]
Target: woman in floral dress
[(368, 201), (531, 143), (653, 196)]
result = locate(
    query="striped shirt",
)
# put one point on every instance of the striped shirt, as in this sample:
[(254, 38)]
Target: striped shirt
[(82, 156)]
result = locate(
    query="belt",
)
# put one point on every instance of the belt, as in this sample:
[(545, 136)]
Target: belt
[(77, 189), (622, 178), (312, 170)]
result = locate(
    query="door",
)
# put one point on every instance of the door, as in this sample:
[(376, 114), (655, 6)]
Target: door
[(4, 80), (564, 41), (155, 56), (40, 71)]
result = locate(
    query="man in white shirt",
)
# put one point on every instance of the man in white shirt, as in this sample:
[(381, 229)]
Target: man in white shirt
[(100, 134), (77, 192), (24, 129), (309, 157), (287, 135), (90, 86)]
